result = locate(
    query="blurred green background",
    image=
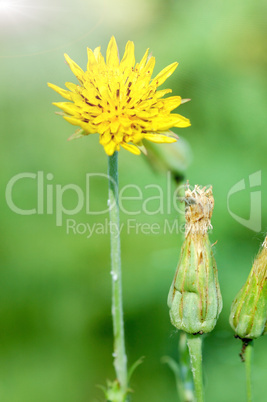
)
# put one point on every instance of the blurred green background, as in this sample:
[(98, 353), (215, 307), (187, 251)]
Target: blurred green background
[(55, 287)]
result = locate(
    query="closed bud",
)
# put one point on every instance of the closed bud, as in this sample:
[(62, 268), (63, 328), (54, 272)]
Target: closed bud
[(175, 157), (195, 299), (248, 316)]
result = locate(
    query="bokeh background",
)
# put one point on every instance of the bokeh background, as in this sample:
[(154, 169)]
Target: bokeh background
[(55, 287)]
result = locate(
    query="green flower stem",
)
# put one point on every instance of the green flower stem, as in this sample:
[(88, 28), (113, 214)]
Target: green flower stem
[(120, 358), (194, 343), (186, 379), (248, 358)]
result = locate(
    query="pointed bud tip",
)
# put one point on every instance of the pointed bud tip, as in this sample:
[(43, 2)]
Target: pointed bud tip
[(198, 210)]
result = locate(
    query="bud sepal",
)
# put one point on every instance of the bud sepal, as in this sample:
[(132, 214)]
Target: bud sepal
[(248, 316)]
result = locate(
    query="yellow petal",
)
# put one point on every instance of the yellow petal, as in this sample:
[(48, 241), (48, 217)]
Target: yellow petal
[(105, 138), (170, 133), (112, 53), (102, 127), (159, 138), (128, 59), (74, 121), (110, 148), (149, 67), (72, 87), (132, 148), (181, 121), (98, 56), (171, 103), (162, 92), (144, 60), (136, 137), (102, 117), (77, 122), (77, 71), (91, 59), (114, 126), (165, 122), (60, 91), (164, 74), (97, 52), (147, 114), (67, 107)]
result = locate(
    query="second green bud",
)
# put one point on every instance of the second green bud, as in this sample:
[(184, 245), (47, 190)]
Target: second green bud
[(194, 299)]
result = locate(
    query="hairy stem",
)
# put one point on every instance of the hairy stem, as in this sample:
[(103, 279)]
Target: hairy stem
[(120, 358), (194, 343), (248, 358), (186, 379)]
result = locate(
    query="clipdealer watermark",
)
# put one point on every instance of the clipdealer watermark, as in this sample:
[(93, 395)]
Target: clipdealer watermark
[(133, 200), (130, 226), (151, 200)]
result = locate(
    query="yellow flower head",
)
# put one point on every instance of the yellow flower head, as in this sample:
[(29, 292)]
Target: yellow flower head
[(120, 101)]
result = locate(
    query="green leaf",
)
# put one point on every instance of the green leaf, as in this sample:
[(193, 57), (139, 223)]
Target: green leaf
[(134, 367)]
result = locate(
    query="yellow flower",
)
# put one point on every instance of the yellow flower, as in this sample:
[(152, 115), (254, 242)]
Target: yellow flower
[(120, 101)]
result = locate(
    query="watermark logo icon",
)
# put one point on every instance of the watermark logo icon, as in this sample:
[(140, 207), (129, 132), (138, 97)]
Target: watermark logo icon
[(254, 220)]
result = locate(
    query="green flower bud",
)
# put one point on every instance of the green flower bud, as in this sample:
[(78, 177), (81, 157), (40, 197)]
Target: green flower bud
[(194, 299), (175, 157), (248, 316)]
